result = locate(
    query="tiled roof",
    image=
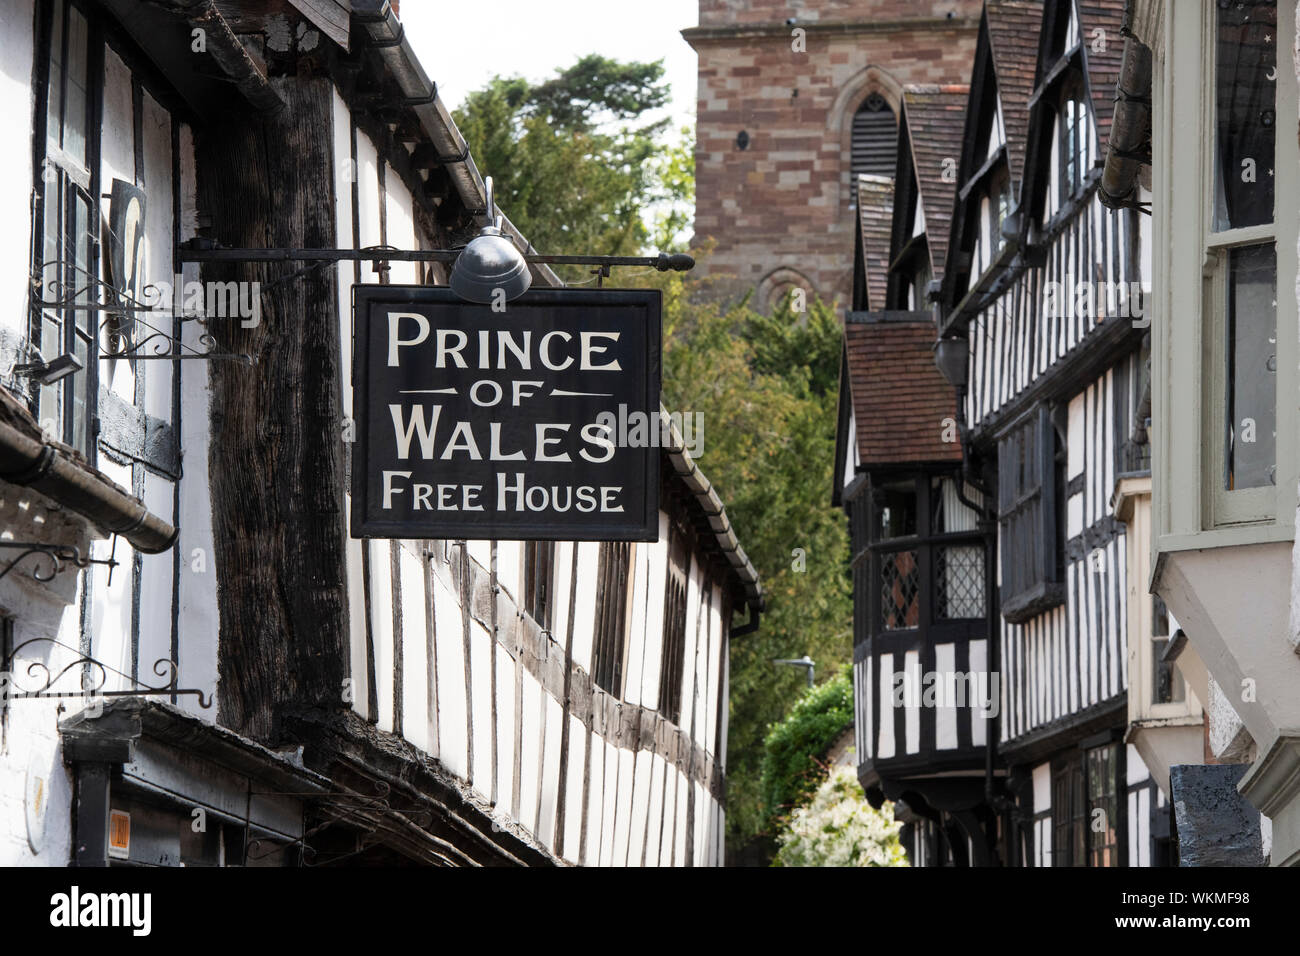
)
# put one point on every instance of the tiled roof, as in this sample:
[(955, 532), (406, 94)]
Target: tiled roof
[(936, 120), (875, 213), (899, 398), (1103, 53), (1014, 27)]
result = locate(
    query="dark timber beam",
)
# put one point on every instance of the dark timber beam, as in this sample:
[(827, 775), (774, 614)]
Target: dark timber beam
[(276, 456)]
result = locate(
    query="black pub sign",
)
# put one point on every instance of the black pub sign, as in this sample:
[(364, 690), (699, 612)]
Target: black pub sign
[(474, 423)]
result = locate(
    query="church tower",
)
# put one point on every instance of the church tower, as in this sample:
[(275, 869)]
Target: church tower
[(795, 98)]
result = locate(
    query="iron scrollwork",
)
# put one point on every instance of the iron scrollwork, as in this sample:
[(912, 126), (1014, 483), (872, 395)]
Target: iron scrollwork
[(94, 675), (55, 557), (125, 332)]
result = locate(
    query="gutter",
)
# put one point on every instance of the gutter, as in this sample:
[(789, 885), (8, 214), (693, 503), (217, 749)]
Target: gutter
[(724, 535), (1129, 146), (51, 470), (387, 40)]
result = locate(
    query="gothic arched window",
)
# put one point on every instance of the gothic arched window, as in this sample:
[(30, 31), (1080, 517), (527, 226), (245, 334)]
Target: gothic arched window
[(874, 143)]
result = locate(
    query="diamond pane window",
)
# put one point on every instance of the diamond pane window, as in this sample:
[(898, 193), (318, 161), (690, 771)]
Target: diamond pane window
[(959, 582), (900, 608)]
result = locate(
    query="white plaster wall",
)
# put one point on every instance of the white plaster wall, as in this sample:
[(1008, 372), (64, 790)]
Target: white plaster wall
[(198, 572)]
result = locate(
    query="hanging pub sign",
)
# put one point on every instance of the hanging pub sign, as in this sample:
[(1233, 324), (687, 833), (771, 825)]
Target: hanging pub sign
[(474, 423)]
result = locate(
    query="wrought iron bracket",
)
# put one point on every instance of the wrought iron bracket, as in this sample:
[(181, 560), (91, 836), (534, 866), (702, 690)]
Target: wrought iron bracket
[(57, 555), (205, 250), (94, 675), (122, 314)]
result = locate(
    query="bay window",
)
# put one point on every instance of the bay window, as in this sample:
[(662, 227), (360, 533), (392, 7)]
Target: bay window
[(1031, 532), (1224, 341), (1241, 265)]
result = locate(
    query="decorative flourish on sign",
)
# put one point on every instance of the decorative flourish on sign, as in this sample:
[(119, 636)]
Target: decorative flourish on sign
[(94, 675)]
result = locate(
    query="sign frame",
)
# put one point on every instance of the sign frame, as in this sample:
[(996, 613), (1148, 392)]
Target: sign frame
[(641, 526)]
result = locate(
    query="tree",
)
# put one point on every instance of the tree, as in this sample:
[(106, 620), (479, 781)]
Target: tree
[(839, 828), (766, 388), (574, 161)]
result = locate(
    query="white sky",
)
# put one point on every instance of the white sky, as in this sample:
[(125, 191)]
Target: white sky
[(463, 45)]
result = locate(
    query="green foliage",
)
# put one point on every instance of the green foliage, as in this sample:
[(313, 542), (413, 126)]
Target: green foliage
[(839, 828), (765, 387), (788, 342), (791, 770), (573, 170)]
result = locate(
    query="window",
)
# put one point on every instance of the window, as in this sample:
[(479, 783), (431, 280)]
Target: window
[(921, 531), (610, 642), (873, 141), (1086, 808), (1225, 187), (1030, 478), (539, 562), (1242, 253), (66, 249), (999, 204), (674, 648), (1073, 140), (918, 287), (894, 517), (895, 510)]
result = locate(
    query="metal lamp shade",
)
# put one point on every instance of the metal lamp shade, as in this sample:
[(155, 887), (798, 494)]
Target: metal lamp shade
[(951, 356), (490, 262)]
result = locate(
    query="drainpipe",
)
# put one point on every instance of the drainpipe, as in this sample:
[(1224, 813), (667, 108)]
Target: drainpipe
[(987, 521), (1130, 131), (30, 462)]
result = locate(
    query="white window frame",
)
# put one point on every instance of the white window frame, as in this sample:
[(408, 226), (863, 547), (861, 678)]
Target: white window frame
[(1191, 509)]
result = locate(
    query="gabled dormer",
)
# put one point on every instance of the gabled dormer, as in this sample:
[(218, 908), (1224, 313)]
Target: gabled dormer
[(1079, 53), (992, 160), (929, 137)]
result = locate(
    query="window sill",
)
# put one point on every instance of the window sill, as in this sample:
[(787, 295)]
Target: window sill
[(1267, 532)]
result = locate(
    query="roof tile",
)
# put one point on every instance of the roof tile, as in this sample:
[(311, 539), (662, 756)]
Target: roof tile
[(899, 398)]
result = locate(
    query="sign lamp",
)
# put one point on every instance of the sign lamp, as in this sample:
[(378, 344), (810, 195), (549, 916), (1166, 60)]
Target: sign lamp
[(491, 261)]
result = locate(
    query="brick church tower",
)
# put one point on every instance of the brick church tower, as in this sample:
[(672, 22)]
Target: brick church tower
[(795, 98)]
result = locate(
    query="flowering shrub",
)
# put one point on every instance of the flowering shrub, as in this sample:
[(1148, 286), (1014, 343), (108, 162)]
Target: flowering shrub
[(839, 828)]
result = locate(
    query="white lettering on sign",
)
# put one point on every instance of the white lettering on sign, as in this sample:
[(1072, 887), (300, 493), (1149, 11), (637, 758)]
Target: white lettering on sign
[(395, 340), (544, 420), (588, 349), (504, 349)]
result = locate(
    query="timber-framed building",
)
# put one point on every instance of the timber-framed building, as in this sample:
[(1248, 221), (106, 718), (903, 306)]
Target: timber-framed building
[(1035, 312), (259, 687)]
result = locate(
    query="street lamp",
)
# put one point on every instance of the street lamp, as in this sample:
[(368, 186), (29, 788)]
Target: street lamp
[(47, 373), (490, 262), (805, 662)]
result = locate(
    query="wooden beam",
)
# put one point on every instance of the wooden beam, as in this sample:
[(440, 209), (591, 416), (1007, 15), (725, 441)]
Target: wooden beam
[(275, 461)]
